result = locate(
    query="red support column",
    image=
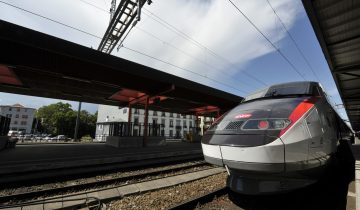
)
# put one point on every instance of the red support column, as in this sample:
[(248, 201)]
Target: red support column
[(146, 121), (197, 124), (129, 121)]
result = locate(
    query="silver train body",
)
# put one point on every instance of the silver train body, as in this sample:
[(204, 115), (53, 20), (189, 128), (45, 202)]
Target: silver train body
[(278, 139)]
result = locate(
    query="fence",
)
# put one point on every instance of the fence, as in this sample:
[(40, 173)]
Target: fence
[(4, 125), (135, 129)]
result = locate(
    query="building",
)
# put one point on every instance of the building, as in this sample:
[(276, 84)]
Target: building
[(173, 125), (21, 117)]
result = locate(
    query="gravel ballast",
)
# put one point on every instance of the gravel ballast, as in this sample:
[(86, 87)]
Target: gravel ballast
[(165, 198)]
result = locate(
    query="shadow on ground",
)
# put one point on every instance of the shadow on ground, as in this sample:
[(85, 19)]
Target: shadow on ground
[(330, 193)]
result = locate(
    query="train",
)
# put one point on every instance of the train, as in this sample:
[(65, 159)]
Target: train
[(278, 139)]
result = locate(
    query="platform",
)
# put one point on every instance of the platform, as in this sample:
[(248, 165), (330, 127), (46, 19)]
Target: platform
[(35, 157)]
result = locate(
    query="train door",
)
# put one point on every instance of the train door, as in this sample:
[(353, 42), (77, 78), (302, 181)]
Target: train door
[(316, 132), (328, 124)]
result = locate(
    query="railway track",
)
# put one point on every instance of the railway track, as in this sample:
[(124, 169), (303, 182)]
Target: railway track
[(40, 176), (92, 183), (200, 200)]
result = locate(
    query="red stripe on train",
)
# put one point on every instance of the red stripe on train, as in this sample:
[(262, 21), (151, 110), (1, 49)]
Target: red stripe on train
[(299, 111)]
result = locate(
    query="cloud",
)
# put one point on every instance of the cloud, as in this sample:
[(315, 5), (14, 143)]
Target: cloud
[(216, 24)]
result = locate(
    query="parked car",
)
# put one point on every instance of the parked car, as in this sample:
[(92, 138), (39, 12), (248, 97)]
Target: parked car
[(60, 138), (21, 137), (27, 137), (47, 138), (13, 134)]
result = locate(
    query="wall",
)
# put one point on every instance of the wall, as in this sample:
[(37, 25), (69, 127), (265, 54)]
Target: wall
[(21, 118), (112, 113)]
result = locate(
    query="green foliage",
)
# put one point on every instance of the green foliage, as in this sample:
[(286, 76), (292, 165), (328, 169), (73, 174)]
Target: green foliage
[(60, 119), (86, 138)]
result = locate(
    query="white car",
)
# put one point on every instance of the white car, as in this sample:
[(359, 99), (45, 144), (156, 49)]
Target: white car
[(13, 135)]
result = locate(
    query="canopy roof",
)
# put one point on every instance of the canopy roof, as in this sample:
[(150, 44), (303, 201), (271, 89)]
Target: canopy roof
[(337, 27), (37, 64)]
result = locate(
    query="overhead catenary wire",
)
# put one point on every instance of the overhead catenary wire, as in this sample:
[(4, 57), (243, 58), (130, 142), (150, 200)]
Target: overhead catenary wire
[(268, 40), (128, 32), (52, 20), (93, 5), (198, 44), (294, 41), (178, 67), (136, 51), (185, 36), (187, 54)]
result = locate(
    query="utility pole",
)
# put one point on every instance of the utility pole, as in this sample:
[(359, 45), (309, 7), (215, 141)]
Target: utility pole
[(77, 122)]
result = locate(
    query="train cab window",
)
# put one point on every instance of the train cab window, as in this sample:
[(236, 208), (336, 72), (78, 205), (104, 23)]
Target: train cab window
[(316, 91)]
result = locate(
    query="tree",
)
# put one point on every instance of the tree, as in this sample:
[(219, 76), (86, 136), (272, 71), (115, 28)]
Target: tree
[(60, 119)]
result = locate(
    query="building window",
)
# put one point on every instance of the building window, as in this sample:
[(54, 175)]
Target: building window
[(136, 121), (163, 122), (171, 133), (18, 109), (171, 123), (10, 109), (163, 114), (136, 111), (155, 113), (23, 122), (124, 110), (16, 116), (184, 124), (178, 115), (154, 121), (190, 124), (9, 115), (25, 110), (15, 122), (24, 116), (184, 116), (171, 114), (100, 127)]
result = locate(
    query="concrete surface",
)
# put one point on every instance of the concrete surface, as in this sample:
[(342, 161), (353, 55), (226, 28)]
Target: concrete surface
[(25, 158), (134, 141), (355, 185)]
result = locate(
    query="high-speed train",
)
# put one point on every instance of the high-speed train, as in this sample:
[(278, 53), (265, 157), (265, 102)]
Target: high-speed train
[(278, 139)]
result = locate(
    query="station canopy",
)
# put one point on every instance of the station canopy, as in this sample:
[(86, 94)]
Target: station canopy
[(337, 27), (37, 64)]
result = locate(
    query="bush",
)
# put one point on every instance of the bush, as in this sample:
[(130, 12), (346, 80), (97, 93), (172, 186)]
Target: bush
[(86, 138)]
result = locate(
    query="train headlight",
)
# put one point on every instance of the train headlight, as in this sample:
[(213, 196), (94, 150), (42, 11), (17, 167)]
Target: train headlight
[(266, 124), (280, 124)]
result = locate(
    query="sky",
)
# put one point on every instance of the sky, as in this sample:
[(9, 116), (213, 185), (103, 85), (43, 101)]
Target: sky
[(206, 41)]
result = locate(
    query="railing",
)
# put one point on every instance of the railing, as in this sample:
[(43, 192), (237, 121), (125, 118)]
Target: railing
[(123, 129), (4, 125)]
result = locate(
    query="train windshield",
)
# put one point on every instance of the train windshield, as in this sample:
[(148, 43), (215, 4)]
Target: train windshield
[(289, 89)]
